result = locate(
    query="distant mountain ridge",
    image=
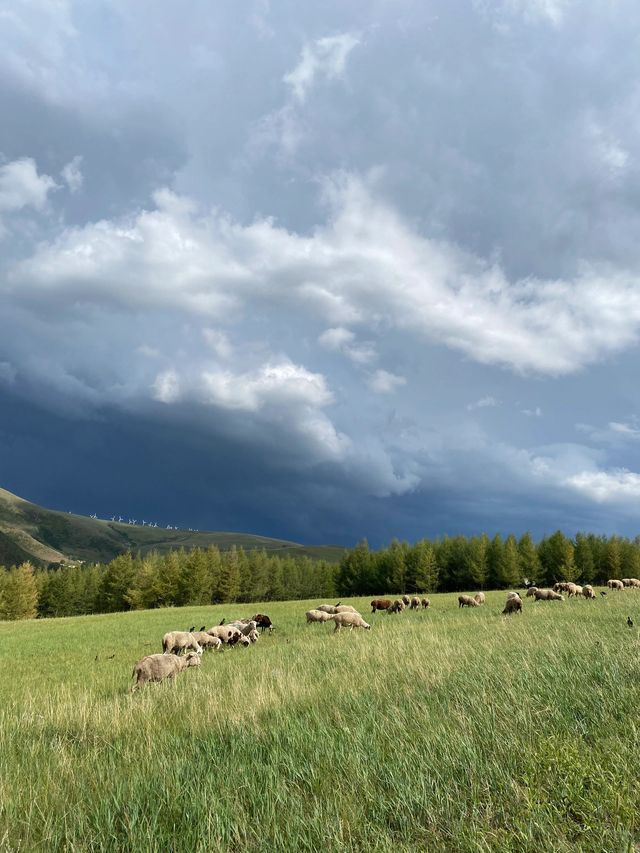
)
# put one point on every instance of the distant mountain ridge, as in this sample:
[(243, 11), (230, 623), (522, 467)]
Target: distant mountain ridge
[(45, 536)]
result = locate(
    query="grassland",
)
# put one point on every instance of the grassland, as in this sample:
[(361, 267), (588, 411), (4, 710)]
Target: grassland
[(32, 532), (442, 730)]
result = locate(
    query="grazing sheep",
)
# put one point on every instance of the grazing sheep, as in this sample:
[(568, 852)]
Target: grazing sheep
[(159, 667), (253, 636), (406, 600), (345, 608), (479, 597), (226, 633), (425, 603), (573, 590), (350, 621), (615, 584), (635, 582), (317, 616), (327, 608), (587, 591), (380, 604), (562, 586), (548, 595), (245, 626), (531, 591), (512, 605), (263, 622), (626, 582), (207, 641), (244, 641), (467, 601), (513, 595), (397, 606), (415, 603), (180, 641)]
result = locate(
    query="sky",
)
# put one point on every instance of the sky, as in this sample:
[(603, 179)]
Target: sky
[(322, 271)]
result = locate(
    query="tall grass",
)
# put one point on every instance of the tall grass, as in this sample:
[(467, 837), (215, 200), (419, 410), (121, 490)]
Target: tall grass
[(437, 730)]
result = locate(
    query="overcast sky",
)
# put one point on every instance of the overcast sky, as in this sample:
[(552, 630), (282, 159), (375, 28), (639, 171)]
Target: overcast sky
[(322, 271)]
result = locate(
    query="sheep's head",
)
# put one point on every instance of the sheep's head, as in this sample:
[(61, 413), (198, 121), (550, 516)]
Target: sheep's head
[(193, 659)]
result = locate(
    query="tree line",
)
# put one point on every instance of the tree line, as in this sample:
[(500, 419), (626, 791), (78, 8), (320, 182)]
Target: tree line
[(210, 576)]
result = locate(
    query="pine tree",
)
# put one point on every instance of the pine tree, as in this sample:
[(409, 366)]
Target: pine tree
[(116, 582), (20, 593), (585, 567), (425, 570), (528, 561), (478, 560), (229, 584), (614, 558), (511, 563), (496, 557)]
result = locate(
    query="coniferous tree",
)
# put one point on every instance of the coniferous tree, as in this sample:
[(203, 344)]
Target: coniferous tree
[(614, 558), (528, 561), (511, 562), (478, 560), (424, 567), (118, 578), (20, 593), (583, 556)]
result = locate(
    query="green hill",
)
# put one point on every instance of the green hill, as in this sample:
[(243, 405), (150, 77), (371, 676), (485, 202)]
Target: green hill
[(28, 531)]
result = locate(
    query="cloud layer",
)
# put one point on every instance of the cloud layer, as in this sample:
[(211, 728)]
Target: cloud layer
[(388, 253)]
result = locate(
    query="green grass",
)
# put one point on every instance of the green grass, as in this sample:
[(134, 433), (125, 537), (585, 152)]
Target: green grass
[(452, 730)]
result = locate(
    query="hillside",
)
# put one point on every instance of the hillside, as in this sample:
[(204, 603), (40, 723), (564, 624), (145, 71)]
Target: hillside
[(28, 531)]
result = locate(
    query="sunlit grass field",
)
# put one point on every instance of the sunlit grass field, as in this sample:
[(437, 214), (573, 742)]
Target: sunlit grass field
[(446, 729)]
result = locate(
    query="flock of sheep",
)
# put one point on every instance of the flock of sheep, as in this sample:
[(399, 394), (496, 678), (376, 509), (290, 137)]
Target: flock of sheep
[(182, 649)]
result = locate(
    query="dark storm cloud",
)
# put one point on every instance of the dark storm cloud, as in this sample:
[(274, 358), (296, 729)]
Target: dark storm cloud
[(322, 272)]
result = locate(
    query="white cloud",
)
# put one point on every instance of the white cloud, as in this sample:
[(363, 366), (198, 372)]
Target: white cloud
[(551, 11), (384, 382), (21, 186), (339, 339), (209, 266), (166, 387), (219, 342), (72, 174), (532, 413), (619, 485), (483, 403), (325, 57), (273, 383)]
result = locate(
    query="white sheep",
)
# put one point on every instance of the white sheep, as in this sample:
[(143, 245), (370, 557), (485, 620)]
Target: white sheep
[(350, 621), (317, 616)]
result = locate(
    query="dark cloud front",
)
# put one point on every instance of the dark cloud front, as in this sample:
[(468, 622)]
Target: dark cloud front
[(322, 272)]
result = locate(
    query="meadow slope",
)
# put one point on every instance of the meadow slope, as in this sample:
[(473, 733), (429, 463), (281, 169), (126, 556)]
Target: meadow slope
[(441, 730)]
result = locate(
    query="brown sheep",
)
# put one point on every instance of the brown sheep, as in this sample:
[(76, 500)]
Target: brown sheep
[(350, 621), (159, 667), (548, 595), (406, 600), (512, 605), (479, 597), (513, 595), (615, 584), (263, 622), (466, 601), (380, 604), (180, 641), (425, 603), (531, 591), (397, 606), (415, 603)]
